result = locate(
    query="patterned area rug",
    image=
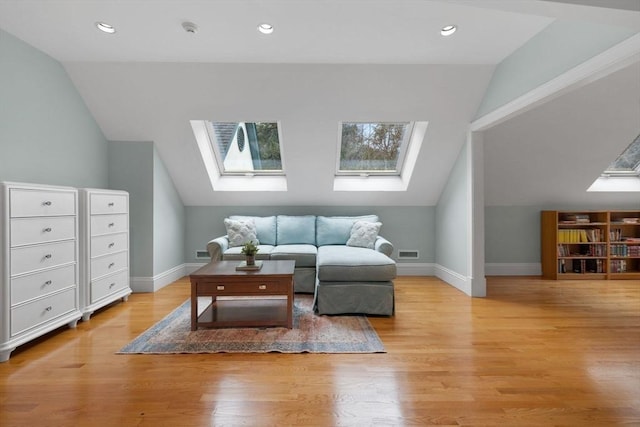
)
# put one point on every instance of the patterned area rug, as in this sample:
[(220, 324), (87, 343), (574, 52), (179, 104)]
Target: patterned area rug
[(311, 333)]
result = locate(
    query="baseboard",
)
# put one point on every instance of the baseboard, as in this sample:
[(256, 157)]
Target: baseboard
[(152, 284), (456, 280), (513, 269), (415, 269), (193, 266), (159, 281)]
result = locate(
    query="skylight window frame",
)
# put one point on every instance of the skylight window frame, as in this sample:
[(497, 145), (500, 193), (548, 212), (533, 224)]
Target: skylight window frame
[(402, 151), (217, 155), (635, 172)]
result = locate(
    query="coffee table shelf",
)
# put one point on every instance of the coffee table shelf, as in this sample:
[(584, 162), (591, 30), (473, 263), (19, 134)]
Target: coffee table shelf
[(250, 312)]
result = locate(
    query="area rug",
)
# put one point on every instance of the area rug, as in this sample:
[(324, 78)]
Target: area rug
[(311, 333)]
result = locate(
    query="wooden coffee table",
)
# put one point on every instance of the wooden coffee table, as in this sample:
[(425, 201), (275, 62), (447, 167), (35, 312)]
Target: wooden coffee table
[(220, 279)]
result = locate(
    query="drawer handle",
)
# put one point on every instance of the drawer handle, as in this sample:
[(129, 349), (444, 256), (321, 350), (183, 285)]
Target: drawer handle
[(47, 203), (48, 308), (47, 230), (112, 264), (220, 288), (262, 287), (47, 256), (111, 204), (112, 285), (111, 224), (111, 244), (48, 282)]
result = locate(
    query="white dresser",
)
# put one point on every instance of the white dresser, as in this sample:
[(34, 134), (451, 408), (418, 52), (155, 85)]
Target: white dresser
[(39, 262), (104, 248)]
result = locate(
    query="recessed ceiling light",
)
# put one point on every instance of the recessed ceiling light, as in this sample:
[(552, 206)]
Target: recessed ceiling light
[(265, 28), (104, 27), (447, 30)]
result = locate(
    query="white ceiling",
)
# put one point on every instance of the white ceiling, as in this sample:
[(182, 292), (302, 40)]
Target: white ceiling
[(306, 31), (327, 61)]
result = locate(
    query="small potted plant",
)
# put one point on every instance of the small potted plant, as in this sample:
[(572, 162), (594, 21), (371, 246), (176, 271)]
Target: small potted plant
[(249, 250)]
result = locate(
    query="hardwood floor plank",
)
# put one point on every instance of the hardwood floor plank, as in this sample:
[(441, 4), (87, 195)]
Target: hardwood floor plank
[(533, 352)]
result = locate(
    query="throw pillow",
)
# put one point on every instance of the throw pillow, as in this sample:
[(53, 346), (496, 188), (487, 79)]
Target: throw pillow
[(240, 232), (364, 234)]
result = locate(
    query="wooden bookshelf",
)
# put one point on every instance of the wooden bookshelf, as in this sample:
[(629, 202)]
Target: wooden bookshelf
[(590, 244)]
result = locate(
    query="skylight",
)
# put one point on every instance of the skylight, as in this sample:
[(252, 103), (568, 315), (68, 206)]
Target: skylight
[(241, 156), (628, 162), (373, 148), (377, 156), (623, 174)]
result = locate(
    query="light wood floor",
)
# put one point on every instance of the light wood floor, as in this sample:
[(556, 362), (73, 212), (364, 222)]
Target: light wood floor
[(533, 352)]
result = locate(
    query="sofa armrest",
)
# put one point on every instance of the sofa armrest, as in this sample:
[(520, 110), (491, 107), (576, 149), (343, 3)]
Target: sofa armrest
[(217, 247), (384, 246)]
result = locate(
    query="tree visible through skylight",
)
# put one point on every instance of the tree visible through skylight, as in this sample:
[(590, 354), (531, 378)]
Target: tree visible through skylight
[(373, 147)]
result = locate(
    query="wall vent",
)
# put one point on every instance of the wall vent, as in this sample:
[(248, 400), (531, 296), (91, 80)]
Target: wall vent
[(202, 255), (408, 254)]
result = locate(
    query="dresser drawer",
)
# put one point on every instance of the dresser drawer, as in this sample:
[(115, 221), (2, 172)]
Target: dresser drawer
[(104, 224), (109, 243), (41, 311), (31, 258), (108, 203), (25, 203), (109, 264), (25, 288), (26, 231), (106, 286)]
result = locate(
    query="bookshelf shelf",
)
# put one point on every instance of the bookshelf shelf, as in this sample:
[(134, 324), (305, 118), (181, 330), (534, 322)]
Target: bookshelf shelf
[(590, 244)]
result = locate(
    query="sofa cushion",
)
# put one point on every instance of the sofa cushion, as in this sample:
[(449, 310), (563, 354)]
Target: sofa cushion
[(235, 253), (240, 231), (336, 230), (303, 255), (293, 230), (364, 234), (265, 227), (352, 264)]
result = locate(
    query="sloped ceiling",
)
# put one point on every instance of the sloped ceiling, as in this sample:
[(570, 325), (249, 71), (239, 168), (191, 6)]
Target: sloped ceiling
[(326, 62), (550, 156)]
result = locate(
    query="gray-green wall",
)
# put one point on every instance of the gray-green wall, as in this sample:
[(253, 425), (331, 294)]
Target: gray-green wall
[(168, 220), (512, 233), (47, 134), (157, 220), (407, 227), (451, 218)]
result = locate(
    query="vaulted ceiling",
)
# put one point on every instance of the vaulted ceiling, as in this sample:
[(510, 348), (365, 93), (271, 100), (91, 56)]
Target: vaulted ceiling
[(327, 61)]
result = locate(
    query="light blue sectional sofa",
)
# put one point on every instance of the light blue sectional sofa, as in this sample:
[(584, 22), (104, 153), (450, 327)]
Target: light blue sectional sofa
[(341, 260)]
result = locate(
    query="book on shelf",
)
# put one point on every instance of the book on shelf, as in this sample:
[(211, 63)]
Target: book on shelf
[(582, 266), (579, 235), (631, 220), (574, 218), (618, 266), (615, 235)]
